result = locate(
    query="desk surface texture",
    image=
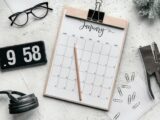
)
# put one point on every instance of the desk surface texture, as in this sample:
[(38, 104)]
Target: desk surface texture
[(29, 80)]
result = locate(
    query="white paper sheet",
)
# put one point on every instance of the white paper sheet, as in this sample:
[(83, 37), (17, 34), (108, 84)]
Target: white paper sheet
[(131, 99)]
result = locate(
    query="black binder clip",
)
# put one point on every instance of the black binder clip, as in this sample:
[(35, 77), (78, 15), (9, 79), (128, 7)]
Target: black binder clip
[(21, 104), (96, 15), (151, 58)]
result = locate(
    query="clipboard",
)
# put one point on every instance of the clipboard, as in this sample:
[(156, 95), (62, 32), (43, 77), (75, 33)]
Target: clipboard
[(62, 84)]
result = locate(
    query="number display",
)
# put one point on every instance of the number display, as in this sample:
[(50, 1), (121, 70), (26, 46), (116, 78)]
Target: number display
[(36, 53), (27, 54), (32, 55), (23, 55), (11, 57)]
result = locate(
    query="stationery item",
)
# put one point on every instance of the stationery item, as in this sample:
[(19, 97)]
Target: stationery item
[(135, 101), (96, 15), (77, 73), (38, 11), (27, 54), (21, 104), (99, 42), (151, 59)]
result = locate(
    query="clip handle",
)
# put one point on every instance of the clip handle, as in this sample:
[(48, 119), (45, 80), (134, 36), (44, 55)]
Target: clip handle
[(158, 77), (98, 5), (149, 86), (96, 15)]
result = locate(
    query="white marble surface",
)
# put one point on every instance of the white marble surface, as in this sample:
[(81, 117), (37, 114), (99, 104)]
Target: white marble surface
[(29, 80)]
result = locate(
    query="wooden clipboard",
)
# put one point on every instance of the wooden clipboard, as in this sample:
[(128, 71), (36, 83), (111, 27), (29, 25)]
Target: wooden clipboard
[(107, 21)]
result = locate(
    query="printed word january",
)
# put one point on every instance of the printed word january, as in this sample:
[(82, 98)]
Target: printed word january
[(91, 27)]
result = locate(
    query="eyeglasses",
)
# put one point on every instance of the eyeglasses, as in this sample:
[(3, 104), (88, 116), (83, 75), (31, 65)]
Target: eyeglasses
[(38, 11)]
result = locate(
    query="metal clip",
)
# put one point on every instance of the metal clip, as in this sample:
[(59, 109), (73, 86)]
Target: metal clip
[(96, 15)]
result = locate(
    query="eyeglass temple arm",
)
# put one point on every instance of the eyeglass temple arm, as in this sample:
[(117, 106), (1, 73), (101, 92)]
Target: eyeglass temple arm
[(47, 7), (13, 20)]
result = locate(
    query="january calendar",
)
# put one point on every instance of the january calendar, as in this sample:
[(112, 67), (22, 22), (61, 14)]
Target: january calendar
[(99, 49)]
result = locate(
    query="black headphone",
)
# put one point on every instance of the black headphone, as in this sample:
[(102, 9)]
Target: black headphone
[(21, 104)]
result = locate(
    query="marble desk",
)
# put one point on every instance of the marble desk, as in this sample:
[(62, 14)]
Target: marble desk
[(29, 80)]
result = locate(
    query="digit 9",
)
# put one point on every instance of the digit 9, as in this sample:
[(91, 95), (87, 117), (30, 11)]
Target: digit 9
[(11, 57)]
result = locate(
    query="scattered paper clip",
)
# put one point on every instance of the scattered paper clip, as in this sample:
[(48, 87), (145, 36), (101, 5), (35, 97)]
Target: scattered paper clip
[(126, 86), (119, 91), (133, 96), (132, 76), (135, 105), (127, 77), (116, 116), (117, 100), (129, 99)]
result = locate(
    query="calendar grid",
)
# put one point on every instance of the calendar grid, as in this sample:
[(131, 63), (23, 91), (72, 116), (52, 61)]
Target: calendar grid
[(70, 65), (96, 70), (90, 51), (87, 69), (88, 56), (61, 65), (106, 69)]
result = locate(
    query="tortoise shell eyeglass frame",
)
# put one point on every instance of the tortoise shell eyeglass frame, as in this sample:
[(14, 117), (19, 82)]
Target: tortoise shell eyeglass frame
[(14, 16)]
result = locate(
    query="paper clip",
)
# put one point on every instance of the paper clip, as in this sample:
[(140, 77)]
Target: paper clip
[(127, 77), (129, 99), (133, 96), (126, 86), (135, 105), (133, 76), (119, 91), (117, 100), (116, 116)]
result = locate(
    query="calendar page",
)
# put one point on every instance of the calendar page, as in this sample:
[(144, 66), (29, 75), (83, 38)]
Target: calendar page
[(99, 50)]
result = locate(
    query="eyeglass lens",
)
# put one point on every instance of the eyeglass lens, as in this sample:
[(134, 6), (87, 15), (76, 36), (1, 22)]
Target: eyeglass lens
[(21, 19), (39, 12)]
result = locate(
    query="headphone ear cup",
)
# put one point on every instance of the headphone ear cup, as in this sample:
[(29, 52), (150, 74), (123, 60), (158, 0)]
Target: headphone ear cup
[(23, 99), (23, 104), (24, 108)]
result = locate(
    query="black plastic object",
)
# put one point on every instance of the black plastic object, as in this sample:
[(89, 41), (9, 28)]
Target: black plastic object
[(21, 104), (28, 54), (151, 59), (96, 15)]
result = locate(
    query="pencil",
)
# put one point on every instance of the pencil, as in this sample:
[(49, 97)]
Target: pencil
[(77, 73)]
